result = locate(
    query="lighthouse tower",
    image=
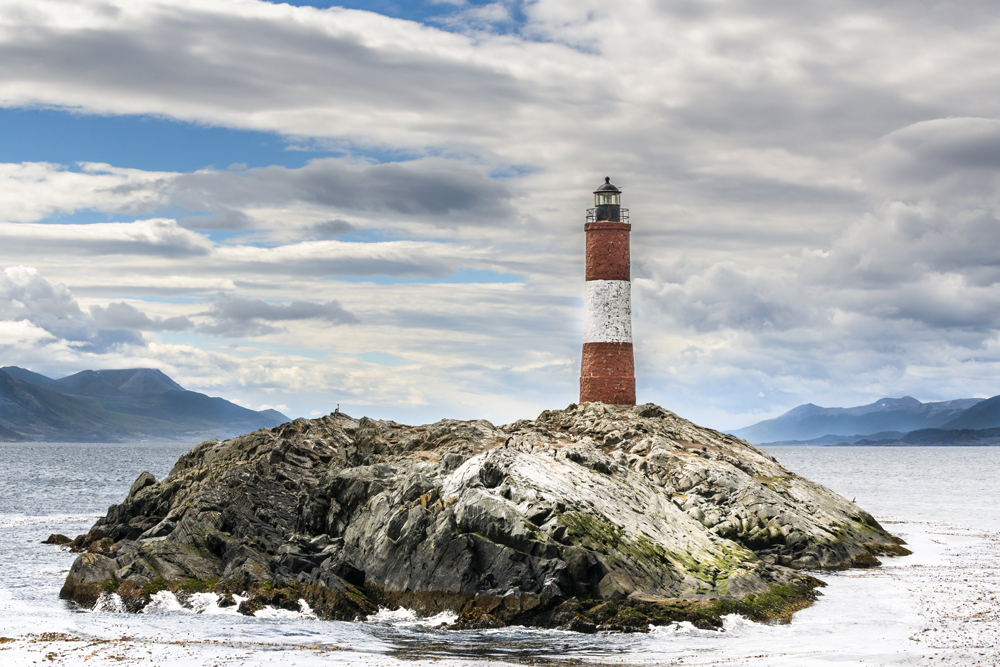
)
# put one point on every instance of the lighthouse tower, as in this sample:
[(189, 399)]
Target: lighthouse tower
[(607, 373)]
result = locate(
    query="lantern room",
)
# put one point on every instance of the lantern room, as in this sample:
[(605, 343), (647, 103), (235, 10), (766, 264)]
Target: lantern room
[(607, 204)]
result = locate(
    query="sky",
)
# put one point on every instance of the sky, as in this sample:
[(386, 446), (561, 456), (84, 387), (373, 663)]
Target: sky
[(380, 205)]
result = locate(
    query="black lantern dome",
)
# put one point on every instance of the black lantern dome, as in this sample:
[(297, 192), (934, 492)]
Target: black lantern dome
[(607, 204)]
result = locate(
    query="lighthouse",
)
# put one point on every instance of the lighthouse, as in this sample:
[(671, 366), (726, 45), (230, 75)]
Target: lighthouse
[(607, 372)]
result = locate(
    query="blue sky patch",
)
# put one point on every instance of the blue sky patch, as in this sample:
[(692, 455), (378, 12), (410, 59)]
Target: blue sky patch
[(138, 142), (431, 13)]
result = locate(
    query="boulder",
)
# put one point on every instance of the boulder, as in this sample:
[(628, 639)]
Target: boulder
[(91, 575)]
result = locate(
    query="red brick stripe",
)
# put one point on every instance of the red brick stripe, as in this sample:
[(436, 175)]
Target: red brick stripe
[(607, 374), (608, 256)]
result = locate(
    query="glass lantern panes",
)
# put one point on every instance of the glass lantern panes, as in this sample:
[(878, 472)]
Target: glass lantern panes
[(602, 198)]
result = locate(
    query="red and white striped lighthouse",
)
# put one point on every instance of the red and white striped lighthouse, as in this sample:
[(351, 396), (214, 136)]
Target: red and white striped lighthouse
[(607, 373)]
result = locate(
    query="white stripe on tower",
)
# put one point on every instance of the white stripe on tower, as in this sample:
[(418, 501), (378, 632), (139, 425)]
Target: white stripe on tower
[(607, 311)]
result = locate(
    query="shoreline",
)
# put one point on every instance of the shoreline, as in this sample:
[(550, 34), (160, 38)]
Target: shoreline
[(930, 597)]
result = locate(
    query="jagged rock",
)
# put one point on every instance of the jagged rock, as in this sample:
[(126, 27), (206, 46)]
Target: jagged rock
[(594, 517)]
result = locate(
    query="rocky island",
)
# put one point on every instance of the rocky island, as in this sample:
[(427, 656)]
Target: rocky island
[(589, 518)]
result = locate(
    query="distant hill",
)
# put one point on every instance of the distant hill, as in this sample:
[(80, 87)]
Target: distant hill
[(131, 383), (274, 414), (32, 378), (808, 422), (988, 437), (985, 414), (36, 413), (117, 405), (7, 435)]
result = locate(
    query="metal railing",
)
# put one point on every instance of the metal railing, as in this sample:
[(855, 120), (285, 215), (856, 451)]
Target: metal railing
[(622, 215)]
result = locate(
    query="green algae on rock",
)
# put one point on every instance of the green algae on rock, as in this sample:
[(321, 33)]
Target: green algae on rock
[(594, 517)]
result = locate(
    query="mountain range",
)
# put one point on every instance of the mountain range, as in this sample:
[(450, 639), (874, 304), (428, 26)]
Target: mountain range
[(885, 420), (117, 405)]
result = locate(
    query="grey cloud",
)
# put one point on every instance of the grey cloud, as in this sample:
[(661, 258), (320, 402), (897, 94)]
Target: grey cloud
[(158, 238), (237, 329), (438, 190), (265, 64), (323, 258), (773, 113), (26, 295), (927, 253), (236, 317), (330, 228), (878, 277), (893, 284), (122, 315), (224, 219), (723, 296), (509, 324), (945, 159), (234, 308), (759, 193), (942, 303), (902, 243)]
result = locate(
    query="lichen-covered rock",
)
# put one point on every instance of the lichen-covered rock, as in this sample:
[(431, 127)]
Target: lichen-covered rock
[(582, 518)]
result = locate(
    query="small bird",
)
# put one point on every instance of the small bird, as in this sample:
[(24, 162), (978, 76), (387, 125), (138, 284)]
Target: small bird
[(337, 411)]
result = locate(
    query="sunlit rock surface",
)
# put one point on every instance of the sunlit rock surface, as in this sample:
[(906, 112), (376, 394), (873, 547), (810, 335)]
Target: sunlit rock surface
[(585, 518)]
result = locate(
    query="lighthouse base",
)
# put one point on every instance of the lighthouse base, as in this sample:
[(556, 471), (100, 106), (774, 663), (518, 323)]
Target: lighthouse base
[(607, 374)]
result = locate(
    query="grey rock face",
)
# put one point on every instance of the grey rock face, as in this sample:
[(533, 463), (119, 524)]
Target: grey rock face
[(593, 502), (89, 571)]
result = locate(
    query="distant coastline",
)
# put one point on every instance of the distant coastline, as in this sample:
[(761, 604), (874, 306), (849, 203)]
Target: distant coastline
[(933, 437), (118, 405), (888, 422), (928, 437)]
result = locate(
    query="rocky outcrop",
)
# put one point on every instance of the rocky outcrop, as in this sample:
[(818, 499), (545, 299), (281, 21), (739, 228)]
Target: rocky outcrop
[(589, 517)]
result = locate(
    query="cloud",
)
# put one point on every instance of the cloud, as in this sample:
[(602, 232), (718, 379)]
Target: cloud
[(400, 259), (30, 191), (723, 296), (221, 59), (160, 255), (225, 219), (22, 334), (934, 226), (953, 159), (235, 317), (158, 237), (438, 190), (31, 302), (330, 228), (434, 192), (902, 243), (122, 315)]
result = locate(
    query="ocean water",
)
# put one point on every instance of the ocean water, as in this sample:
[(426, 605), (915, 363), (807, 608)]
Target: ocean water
[(937, 607)]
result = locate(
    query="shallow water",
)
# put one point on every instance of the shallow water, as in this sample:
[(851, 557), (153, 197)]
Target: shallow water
[(937, 606)]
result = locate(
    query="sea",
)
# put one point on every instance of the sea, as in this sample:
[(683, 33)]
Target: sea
[(938, 606)]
